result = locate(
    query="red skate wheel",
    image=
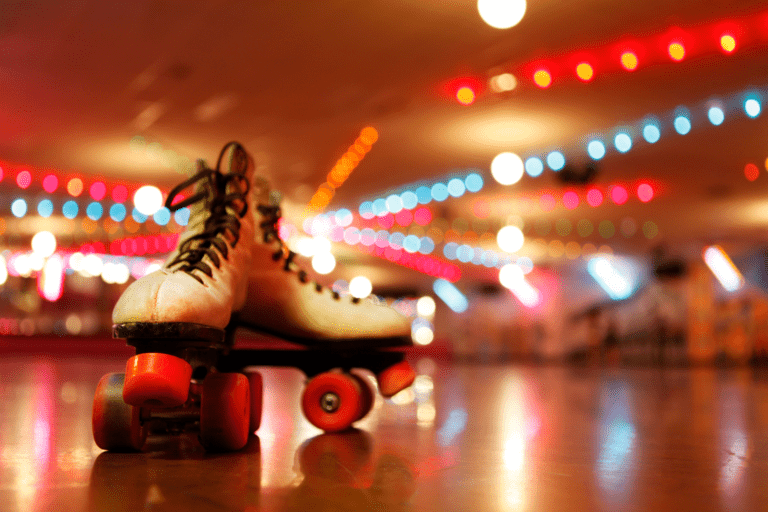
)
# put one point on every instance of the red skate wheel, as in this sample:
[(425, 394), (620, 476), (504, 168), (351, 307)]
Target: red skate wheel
[(395, 379), (156, 379), (332, 401), (257, 393), (224, 411), (116, 425), (367, 396)]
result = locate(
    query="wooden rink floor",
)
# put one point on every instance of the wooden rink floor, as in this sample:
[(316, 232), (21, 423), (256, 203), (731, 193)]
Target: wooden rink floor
[(465, 438)]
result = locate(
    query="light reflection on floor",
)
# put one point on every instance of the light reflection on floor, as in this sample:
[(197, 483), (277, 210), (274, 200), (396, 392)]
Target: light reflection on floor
[(466, 437)]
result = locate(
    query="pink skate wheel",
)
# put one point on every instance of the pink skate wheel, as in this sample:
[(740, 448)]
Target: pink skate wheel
[(395, 379), (332, 401), (225, 411), (116, 425), (156, 379)]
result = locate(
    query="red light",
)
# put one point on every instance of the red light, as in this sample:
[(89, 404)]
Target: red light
[(404, 217), (751, 172), (120, 194), (547, 202), (387, 221), (1, 173), (422, 216), (50, 183), (570, 200), (644, 192), (594, 197), (24, 179), (619, 195), (98, 190)]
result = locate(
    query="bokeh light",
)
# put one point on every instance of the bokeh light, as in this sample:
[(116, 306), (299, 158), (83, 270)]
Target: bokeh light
[(623, 142), (75, 187), (727, 43), (752, 107), (98, 190), (629, 61), (50, 183), (542, 78), (570, 200), (716, 116), (651, 133), (534, 166), (510, 239), (70, 209), (19, 208), (24, 179), (148, 199), (501, 14), (644, 192), (45, 208), (682, 125), (323, 263), (465, 96), (555, 160), (360, 287), (596, 149), (619, 194), (507, 168), (44, 243), (119, 194), (585, 72), (751, 172), (594, 197), (94, 211), (676, 51)]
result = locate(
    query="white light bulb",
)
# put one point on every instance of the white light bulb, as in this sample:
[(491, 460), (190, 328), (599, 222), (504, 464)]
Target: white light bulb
[(323, 263), (44, 243), (510, 238), (507, 168), (360, 287), (501, 13), (148, 200), (426, 306)]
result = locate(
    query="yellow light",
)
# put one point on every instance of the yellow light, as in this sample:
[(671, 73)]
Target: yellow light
[(369, 135), (728, 43), (75, 187), (465, 95), (585, 71), (676, 51), (629, 61), (542, 78)]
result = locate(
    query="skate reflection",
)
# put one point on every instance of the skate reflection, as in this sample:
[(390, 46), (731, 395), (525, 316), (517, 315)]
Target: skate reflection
[(177, 474), (343, 472)]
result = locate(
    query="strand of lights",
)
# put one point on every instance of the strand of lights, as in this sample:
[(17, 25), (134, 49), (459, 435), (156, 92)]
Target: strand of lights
[(422, 193), (723, 268), (650, 129), (593, 196), (671, 46), (112, 269), (421, 263), (585, 228), (343, 168)]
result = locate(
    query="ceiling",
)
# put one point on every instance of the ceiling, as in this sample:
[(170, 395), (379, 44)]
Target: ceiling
[(99, 87)]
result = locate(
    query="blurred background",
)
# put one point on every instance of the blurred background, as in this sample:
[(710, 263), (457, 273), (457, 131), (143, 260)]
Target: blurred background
[(562, 181)]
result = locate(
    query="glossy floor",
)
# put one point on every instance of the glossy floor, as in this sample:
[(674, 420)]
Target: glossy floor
[(466, 438)]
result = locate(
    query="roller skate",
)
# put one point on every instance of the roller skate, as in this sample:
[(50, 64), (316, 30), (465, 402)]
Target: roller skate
[(231, 270)]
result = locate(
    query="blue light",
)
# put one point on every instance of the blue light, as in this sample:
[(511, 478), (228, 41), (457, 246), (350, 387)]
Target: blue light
[(614, 276), (752, 108), (464, 253), (473, 182), (451, 295), (424, 194), (409, 199), (439, 192), (623, 142), (427, 245), (19, 208), (456, 187), (181, 216), (534, 167), (716, 116), (162, 216), (117, 212), (478, 255), (70, 209), (489, 259), (94, 211), (651, 133), (343, 217), (555, 160), (596, 149), (449, 250), (380, 207), (682, 125), (366, 210), (138, 216), (394, 203), (395, 240), (45, 208), (411, 243)]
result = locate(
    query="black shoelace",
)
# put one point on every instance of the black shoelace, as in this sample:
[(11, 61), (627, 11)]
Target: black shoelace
[(221, 204)]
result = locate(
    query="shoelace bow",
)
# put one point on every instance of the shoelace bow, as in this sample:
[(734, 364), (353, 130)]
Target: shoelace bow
[(221, 220)]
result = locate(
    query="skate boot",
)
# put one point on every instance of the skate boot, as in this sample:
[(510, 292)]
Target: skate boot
[(338, 333), (176, 316)]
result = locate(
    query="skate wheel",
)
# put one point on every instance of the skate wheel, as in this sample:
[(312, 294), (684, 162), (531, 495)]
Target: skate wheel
[(156, 379), (257, 393), (116, 425), (224, 411), (367, 396), (395, 379), (332, 401)]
